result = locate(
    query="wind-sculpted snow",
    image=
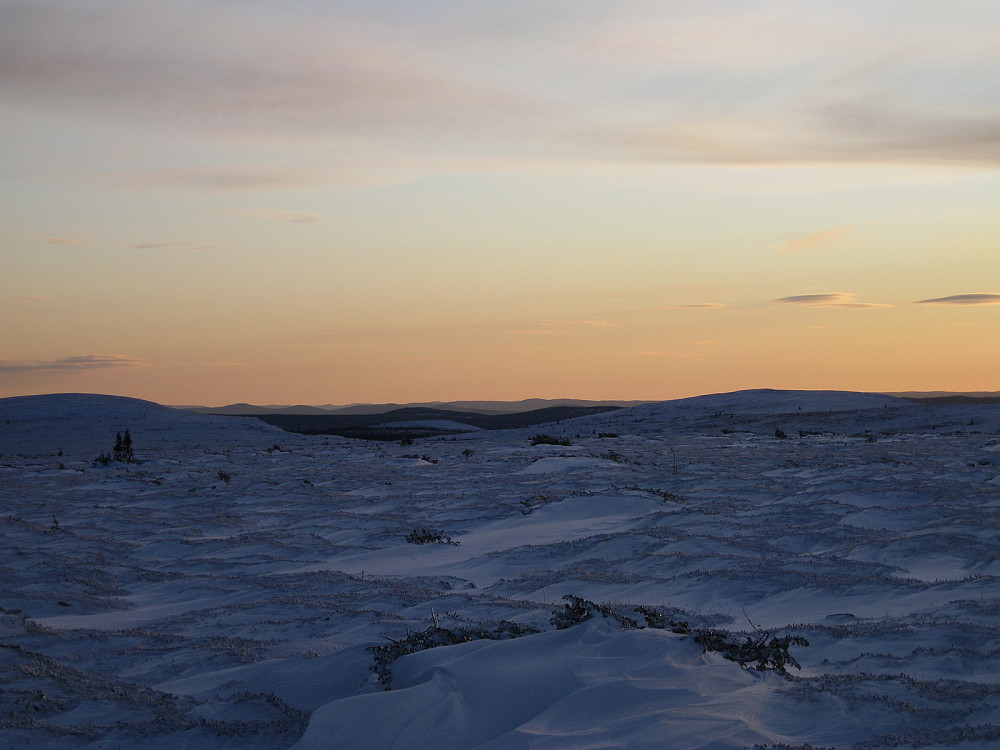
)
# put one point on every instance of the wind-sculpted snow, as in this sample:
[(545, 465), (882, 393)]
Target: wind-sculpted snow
[(225, 590)]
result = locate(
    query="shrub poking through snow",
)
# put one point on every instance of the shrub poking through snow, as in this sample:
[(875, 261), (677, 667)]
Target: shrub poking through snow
[(577, 610), (433, 637), (761, 651), (543, 439), (421, 535), (656, 619)]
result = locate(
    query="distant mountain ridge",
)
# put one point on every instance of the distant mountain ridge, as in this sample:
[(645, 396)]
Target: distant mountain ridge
[(951, 397), (392, 424), (467, 407), (523, 405)]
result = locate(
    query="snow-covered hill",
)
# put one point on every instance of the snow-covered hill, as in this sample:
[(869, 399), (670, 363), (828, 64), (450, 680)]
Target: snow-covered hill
[(84, 425), (831, 412), (231, 589)]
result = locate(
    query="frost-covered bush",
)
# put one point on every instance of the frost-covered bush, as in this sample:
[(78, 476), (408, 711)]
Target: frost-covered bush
[(577, 610), (656, 619), (421, 535), (761, 651), (543, 439)]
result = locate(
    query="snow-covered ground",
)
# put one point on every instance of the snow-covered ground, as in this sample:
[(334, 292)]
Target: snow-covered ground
[(224, 591)]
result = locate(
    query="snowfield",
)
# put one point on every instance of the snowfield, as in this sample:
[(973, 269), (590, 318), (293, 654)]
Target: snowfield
[(233, 588)]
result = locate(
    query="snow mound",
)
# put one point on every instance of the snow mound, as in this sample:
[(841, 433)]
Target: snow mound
[(588, 686), (406, 462), (560, 464)]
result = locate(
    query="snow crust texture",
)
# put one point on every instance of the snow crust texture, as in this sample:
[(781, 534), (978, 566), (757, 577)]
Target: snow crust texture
[(225, 591)]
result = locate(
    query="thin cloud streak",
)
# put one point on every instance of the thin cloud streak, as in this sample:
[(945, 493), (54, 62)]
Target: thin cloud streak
[(84, 241), (255, 72), (812, 241), (697, 306), (72, 364), (189, 247), (275, 215), (775, 83), (222, 179), (834, 299), (552, 327), (580, 324), (963, 299)]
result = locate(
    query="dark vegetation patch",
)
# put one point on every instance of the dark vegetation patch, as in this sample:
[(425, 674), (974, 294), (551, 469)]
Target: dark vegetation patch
[(421, 535), (759, 650), (370, 426), (542, 439)]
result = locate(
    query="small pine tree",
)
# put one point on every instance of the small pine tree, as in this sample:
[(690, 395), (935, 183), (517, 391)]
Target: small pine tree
[(123, 448)]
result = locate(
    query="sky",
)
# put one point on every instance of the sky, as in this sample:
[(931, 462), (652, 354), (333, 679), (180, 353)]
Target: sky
[(205, 202)]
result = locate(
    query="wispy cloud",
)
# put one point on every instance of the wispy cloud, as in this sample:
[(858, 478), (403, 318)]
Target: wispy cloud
[(834, 299), (27, 298), (71, 364), (696, 306), (812, 241), (85, 240), (235, 178), (221, 363), (533, 332), (552, 327), (671, 355), (580, 324), (963, 299), (254, 72), (765, 82), (277, 215), (180, 246), (82, 240)]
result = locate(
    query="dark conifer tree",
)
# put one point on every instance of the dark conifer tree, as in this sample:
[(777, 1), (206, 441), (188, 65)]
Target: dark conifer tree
[(129, 457)]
